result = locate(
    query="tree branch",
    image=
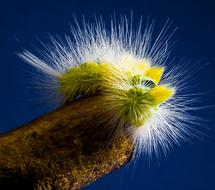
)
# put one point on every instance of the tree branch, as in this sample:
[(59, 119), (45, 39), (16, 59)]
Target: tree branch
[(62, 150)]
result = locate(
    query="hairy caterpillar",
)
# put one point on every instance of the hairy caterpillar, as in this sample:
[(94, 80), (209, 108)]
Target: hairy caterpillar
[(131, 71)]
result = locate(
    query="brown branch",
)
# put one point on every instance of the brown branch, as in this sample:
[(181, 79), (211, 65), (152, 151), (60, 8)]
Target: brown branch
[(61, 150)]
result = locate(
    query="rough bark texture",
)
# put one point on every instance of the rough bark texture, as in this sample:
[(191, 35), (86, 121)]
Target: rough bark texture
[(61, 150)]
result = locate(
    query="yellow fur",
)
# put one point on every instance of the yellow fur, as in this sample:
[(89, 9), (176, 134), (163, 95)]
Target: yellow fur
[(161, 94), (155, 74)]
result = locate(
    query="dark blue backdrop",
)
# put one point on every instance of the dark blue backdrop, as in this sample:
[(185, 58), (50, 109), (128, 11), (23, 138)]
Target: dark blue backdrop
[(189, 167)]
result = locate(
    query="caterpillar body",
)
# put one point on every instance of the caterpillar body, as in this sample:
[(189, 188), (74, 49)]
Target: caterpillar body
[(130, 71)]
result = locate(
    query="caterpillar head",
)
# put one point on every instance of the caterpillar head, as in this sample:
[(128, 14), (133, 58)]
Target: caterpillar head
[(145, 94)]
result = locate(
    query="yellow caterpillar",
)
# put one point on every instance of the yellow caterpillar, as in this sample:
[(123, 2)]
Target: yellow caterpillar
[(138, 94), (130, 70)]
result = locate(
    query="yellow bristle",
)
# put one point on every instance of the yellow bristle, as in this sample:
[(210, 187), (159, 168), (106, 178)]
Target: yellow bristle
[(161, 94), (155, 73)]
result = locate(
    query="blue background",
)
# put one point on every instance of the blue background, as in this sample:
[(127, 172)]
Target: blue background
[(189, 167)]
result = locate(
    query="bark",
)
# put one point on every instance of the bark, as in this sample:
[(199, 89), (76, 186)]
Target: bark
[(65, 149)]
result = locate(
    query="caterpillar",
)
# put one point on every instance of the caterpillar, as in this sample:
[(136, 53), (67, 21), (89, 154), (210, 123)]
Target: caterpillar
[(130, 69)]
